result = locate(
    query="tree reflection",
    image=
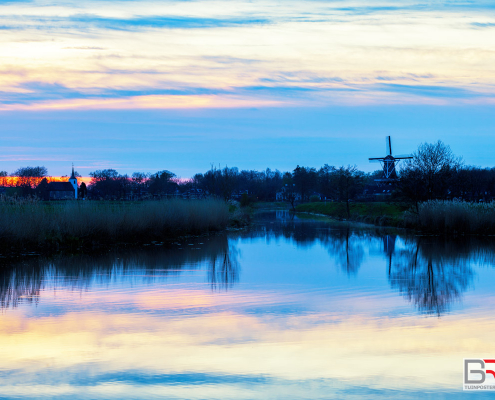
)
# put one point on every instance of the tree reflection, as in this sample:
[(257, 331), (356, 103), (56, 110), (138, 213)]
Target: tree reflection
[(431, 274), (24, 281), (224, 269), (347, 248), (344, 242), (389, 248)]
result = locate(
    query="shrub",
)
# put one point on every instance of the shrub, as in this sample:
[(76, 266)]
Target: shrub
[(245, 200)]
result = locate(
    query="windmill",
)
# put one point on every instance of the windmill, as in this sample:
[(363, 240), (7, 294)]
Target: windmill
[(389, 162)]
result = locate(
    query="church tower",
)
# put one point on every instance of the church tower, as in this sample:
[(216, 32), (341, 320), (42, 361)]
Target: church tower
[(73, 182)]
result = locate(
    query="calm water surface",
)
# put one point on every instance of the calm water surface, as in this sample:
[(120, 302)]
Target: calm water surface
[(291, 309)]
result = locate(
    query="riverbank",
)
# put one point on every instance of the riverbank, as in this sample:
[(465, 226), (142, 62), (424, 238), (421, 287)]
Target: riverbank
[(439, 217), (33, 224), (379, 213)]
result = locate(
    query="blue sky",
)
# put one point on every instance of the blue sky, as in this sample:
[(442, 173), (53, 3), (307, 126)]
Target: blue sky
[(181, 85)]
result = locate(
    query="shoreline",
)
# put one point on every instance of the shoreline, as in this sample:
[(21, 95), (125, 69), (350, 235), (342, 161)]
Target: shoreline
[(450, 218)]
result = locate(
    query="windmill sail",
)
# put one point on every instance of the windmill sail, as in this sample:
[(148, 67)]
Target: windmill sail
[(389, 162)]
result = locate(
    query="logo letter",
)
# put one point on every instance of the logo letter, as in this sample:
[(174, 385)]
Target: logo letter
[(467, 371)]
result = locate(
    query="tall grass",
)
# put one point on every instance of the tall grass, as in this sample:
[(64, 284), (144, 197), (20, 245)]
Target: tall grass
[(454, 217), (32, 221)]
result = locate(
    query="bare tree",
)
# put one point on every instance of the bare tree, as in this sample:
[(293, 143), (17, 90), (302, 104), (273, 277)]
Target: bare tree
[(428, 175)]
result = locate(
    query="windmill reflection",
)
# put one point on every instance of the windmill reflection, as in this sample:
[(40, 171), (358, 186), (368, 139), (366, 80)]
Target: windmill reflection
[(24, 281)]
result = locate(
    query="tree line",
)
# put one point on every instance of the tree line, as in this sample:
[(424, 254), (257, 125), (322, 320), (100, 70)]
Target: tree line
[(434, 172)]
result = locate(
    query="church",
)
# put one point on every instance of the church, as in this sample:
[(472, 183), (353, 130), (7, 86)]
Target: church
[(63, 190)]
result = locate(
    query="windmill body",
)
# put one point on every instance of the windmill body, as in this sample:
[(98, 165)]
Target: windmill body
[(388, 163)]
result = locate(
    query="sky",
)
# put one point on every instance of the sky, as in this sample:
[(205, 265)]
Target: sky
[(183, 85)]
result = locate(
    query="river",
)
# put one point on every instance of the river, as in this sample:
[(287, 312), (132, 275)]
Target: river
[(291, 308)]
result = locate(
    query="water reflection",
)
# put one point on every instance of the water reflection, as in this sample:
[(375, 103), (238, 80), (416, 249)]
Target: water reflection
[(317, 311), (223, 269), (434, 272), (430, 272), (23, 281), (345, 243)]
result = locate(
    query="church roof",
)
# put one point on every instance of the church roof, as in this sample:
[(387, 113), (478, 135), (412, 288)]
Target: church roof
[(60, 187)]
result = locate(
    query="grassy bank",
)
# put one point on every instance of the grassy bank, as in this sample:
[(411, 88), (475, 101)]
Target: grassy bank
[(453, 217), (445, 217), (78, 223), (385, 214)]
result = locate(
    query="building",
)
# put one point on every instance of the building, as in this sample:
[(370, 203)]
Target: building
[(62, 190), (288, 192)]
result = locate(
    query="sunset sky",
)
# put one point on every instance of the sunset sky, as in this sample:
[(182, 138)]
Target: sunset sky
[(181, 85)]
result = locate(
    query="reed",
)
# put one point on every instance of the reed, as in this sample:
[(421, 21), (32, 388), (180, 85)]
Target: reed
[(36, 222), (454, 217)]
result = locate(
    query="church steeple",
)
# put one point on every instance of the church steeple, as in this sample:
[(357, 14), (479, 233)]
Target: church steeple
[(72, 176), (73, 181)]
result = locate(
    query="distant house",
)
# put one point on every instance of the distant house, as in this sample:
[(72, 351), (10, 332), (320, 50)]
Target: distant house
[(194, 194), (285, 193), (60, 191)]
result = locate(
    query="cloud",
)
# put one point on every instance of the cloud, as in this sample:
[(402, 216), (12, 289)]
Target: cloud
[(411, 77), (364, 10), (483, 24), (33, 92), (84, 48), (278, 89), (295, 78), (37, 91), (429, 90), (82, 21), (397, 7), (4, 2), (141, 377), (229, 60), (166, 22)]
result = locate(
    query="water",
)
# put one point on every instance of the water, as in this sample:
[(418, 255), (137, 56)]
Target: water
[(290, 309)]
